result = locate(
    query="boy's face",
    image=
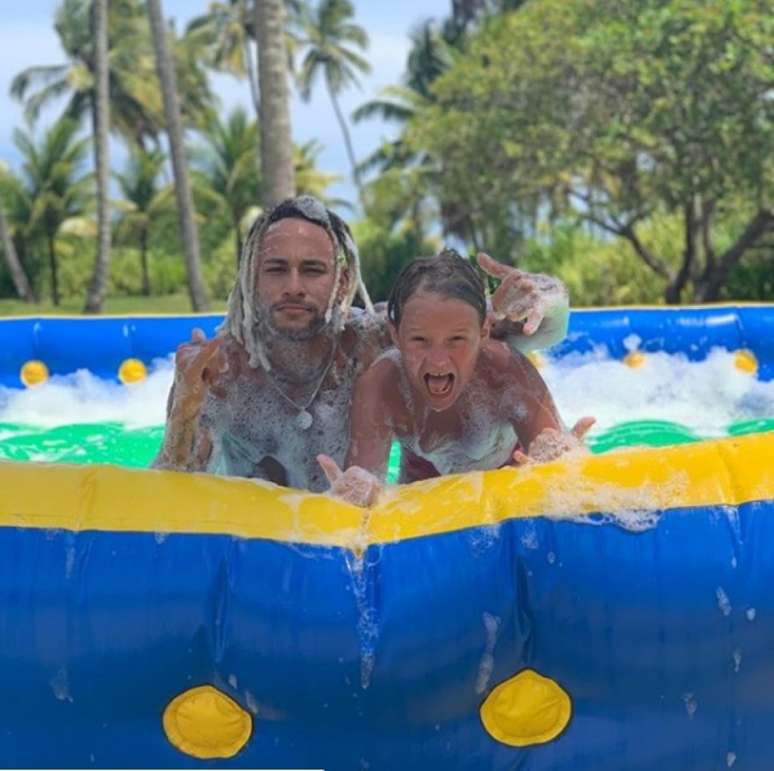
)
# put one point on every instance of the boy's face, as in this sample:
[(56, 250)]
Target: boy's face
[(439, 340)]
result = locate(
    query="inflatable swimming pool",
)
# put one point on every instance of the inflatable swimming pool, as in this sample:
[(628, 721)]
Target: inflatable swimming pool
[(610, 612)]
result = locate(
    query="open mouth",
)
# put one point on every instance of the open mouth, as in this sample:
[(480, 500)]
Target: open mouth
[(439, 385)]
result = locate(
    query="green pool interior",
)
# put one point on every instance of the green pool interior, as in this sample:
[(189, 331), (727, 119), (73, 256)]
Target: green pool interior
[(115, 443)]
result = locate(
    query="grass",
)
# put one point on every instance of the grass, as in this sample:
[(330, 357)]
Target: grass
[(119, 305)]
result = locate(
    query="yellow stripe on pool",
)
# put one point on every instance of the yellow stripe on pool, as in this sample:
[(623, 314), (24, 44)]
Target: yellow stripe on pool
[(727, 471)]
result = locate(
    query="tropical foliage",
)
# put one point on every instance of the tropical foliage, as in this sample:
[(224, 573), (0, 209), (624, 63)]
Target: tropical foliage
[(624, 145)]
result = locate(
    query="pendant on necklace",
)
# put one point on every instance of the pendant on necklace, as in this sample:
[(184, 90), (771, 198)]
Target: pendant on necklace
[(304, 420)]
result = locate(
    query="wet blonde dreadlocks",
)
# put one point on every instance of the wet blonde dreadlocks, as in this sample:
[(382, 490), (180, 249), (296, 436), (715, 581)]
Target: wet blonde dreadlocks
[(241, 316)]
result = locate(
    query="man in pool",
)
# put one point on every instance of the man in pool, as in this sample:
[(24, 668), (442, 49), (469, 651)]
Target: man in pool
[(272, 390)]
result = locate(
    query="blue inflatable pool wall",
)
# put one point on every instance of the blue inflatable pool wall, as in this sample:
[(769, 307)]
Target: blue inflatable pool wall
[(610, 613)]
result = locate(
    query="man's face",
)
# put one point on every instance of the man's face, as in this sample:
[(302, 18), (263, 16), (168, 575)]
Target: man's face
[(296, 272)]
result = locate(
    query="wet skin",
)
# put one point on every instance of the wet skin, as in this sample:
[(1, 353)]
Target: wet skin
[(227, 417), (449, 395)]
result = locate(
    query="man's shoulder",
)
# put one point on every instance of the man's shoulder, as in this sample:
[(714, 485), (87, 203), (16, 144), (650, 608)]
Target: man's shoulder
[(366, 334), (384, 372)]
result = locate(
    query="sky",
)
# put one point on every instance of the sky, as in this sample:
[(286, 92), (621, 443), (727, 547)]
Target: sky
[(27, 39)]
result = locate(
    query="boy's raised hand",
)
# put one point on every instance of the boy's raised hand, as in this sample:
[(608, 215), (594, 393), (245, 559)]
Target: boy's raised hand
[(522, 296), (355, 485), (551, 444)]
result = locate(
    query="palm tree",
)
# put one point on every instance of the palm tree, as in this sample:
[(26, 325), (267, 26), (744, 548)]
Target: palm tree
[(313, 181), (224, 34), (276, 141), (330, 36), (227, 168), (95, 295), (10, 187), (144, 201), (54, 185), (167, 78), (134, 95)]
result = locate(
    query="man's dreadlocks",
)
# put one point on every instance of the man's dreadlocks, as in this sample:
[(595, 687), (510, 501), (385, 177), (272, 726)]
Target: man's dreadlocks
[(241, 316)]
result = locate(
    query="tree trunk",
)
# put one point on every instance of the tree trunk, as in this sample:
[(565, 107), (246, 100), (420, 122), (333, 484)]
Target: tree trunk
[(15, 268), (146, 287), (252, 77), (276, 141), (237, 241), (347, 139), (708, 289), (95, 295), (185, 207), (54, 270)]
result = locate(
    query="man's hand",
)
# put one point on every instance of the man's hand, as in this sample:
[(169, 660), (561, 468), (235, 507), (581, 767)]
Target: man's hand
[(355, 485), (198, 365), (550, 443), (522, 296)]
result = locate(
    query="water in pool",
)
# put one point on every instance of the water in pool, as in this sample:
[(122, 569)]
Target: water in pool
[(667, 400)]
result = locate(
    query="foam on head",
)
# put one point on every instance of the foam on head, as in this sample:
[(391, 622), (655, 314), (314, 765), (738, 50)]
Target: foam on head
[(242, 316), (448, 275)]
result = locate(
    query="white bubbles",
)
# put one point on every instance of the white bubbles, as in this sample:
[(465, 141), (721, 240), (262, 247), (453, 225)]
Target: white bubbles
[(730, 759), (691, 705), (705, 396), (60, 685), (750, 613), (85, 398), (486, 665), (737, 657), (723, 602)]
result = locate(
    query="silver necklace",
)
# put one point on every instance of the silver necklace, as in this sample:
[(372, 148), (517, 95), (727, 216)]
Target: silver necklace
[(304, 419)]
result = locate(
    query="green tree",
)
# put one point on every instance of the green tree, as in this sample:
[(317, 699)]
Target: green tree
[(145, 200), (313, 181), (54, 186), (227, 169), (134, 96), (641, 109), (224, 35), (10, 188), (330, 39), (185, 208)]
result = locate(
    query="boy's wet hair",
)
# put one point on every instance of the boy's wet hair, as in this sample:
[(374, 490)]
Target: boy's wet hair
[(448, 274), (241, 316)]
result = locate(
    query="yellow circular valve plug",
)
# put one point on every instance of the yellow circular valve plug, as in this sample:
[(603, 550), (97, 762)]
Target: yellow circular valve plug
[(205, 723), (635, 359), (526, 709), (33, 373), (745, 361), (132, 371)]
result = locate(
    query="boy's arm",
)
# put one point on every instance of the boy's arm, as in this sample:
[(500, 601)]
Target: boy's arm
[(537, 422), (529, 311), (370, 437), (371, 421)]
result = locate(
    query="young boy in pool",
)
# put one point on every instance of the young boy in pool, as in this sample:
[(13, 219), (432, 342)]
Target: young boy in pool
[(453, 398)]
